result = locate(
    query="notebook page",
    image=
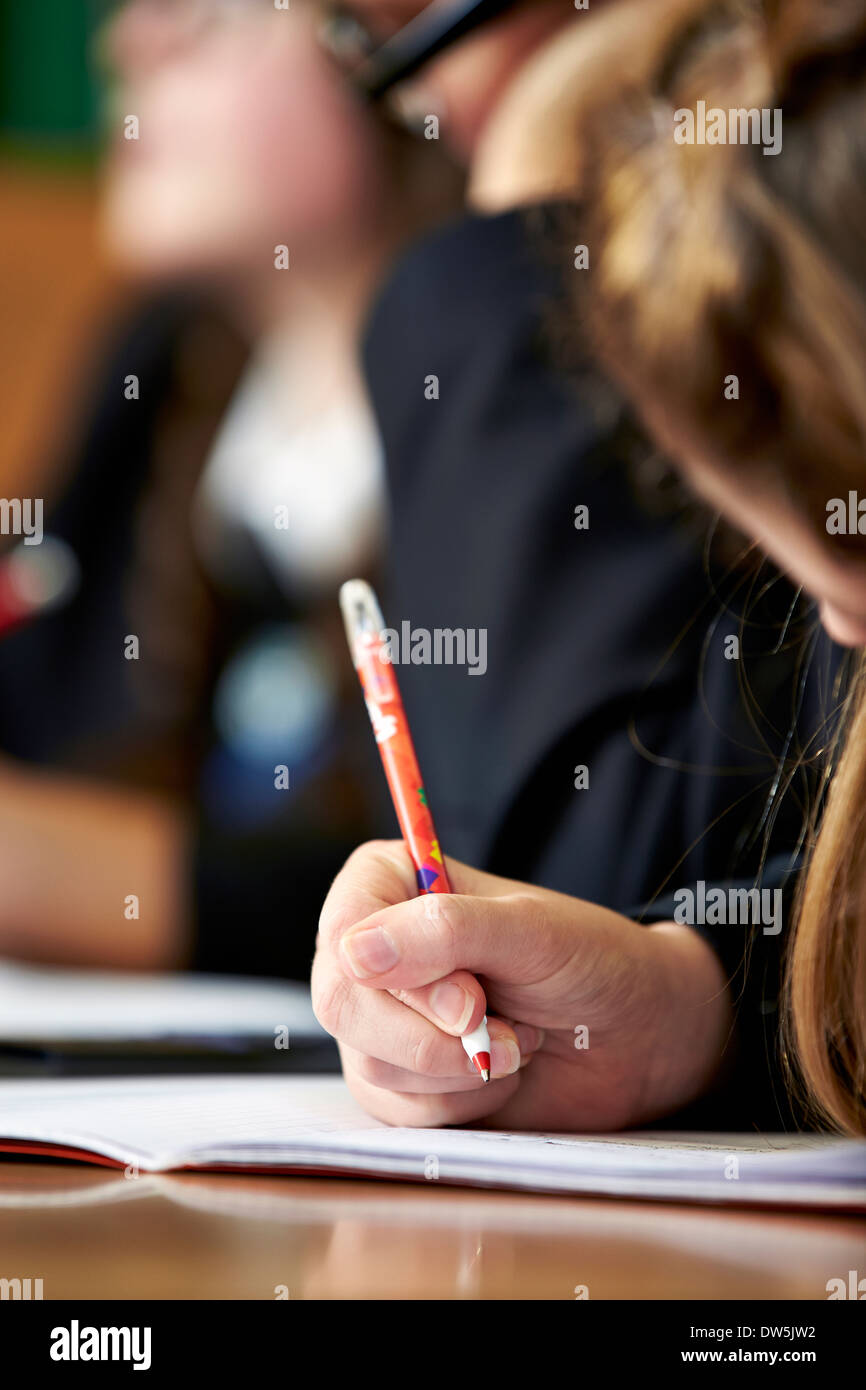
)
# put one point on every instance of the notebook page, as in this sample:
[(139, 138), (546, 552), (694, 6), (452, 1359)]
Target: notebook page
[(784, 1171), (720, 1168), (312, 1122), (164, 1122)]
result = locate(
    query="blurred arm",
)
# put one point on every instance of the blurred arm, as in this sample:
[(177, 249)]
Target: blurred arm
[(71, 854)]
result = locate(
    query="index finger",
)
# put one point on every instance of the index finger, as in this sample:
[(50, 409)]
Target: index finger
[(381, 874), (376, 875)]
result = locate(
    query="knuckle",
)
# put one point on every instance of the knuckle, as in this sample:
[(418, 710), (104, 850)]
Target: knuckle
[(374, 854), (423, 1058), (369, 878), (542, 949), (443, 917), (330, 997), (363, 854), (371, 1070), (329, 920)]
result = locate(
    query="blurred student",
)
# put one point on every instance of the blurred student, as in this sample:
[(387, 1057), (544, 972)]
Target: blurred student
[(707, 261), (186, 762), (612, 750)]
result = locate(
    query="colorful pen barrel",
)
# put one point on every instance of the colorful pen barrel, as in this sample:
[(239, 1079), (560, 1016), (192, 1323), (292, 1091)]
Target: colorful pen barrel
[(365, 628), (385, 707)]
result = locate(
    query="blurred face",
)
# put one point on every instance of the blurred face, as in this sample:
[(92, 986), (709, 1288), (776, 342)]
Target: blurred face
[(762, 510), (248, 139)]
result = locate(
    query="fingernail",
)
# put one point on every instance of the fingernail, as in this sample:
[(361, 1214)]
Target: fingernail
[(369, 952), (504, 1057), (529, 1039), (452, 1005)]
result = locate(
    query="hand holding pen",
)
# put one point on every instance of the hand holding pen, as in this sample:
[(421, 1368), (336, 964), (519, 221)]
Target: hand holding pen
[(596, 1023)]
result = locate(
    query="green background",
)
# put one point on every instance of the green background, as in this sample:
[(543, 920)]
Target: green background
[(49, 93)]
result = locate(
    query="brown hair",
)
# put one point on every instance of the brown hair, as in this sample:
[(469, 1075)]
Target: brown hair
[(709, 261)]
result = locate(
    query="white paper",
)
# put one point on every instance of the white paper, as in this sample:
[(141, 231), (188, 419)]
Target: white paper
[(312, 1122)]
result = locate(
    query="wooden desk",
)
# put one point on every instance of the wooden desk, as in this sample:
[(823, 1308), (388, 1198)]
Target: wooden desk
[(91, 1233)]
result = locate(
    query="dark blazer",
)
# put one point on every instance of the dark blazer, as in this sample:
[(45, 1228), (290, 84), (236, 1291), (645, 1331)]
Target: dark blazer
[(606, 646)]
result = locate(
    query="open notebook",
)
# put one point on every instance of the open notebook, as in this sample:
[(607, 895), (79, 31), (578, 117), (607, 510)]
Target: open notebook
[(312, 1125)]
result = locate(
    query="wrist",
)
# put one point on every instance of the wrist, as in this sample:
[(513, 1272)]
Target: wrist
[(693, 1018)]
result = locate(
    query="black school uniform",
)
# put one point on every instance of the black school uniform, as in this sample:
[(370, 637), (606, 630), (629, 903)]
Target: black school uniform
[(608, 751)]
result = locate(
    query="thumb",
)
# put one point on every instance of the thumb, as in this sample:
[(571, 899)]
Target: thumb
[(380, 874), (515, 938)]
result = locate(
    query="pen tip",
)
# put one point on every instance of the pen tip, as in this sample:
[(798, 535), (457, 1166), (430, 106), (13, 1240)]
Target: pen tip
[(481, 1063)]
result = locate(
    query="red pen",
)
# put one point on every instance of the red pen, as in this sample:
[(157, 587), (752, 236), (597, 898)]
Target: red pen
[(365, 628)]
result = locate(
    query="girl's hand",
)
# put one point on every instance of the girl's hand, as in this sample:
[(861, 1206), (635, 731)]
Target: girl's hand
[(595, 1022)]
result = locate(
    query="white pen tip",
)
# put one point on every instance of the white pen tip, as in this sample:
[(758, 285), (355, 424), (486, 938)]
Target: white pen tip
[(361, 612)]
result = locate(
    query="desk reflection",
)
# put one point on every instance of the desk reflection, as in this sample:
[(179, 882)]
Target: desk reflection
[(93, 1234)]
